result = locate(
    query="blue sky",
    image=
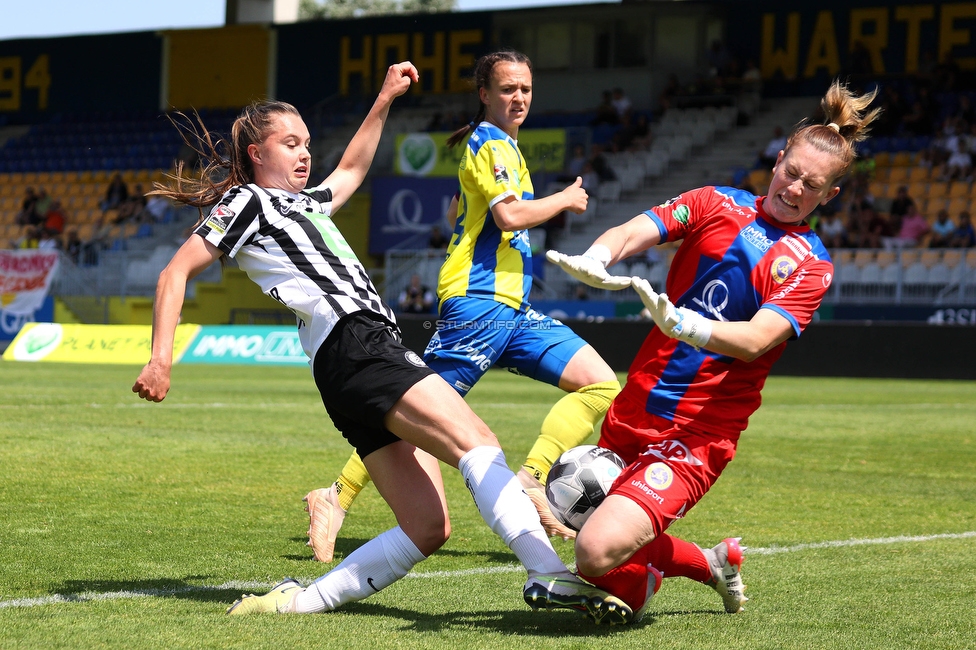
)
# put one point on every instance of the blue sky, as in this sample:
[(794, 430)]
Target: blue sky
[(39, 18)]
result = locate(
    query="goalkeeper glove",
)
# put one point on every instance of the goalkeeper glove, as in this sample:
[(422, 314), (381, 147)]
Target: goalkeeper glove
[(590, 268), (677, 322)]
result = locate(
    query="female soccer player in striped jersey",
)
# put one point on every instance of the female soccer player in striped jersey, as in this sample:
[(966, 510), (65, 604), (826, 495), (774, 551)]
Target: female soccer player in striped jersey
[(485, 318), (399, 415), (748, 276)]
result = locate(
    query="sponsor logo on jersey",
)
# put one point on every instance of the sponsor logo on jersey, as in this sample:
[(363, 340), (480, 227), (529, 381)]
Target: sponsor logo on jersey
[(794, 283), (672, 451), (669, 202), (681, 214), (827, 279), (461, 385), (757, 238), (220, 218), (501, 174), (714, 298), (782, 268), (659, 476), (413, 358)]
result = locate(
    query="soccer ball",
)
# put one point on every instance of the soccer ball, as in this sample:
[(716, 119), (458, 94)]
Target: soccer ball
[(578, 482)]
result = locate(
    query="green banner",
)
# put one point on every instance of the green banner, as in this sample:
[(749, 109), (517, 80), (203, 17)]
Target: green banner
[(427, 154)]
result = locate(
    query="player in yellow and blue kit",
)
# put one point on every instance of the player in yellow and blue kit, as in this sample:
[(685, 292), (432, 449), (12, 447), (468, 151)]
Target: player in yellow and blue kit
[(483, 293)]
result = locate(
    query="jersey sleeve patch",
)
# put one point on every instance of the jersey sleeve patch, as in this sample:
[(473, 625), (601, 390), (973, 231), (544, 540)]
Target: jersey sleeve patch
[(220, 219)]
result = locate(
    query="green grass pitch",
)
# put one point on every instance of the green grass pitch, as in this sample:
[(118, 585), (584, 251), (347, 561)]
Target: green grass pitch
[(134, 525)]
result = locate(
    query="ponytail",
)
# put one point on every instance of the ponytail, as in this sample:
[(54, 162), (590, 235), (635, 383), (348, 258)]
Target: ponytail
[(847, 123)]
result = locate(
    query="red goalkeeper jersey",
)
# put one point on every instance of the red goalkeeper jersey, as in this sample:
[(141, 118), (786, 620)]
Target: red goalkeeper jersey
[(732, 262)]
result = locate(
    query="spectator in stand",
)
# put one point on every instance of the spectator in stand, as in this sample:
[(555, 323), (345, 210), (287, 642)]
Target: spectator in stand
[(959, 166), (159, 208), (574, 166), (832, 231), (116, 193), (621, 104), (872, 227), (601, 165), (591, 180), (42, 206), (606, 113), (47, 241), (131, 209), (634, 133), (30, 238), (27, 216), (911, 231), (73, 245), (751, 77), (768, 156), (437, 239), (902, 203), (942, 230), (963, 236), (55, 219), (416, 298)]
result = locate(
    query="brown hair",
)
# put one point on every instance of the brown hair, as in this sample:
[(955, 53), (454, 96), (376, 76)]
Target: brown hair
[(482, 79), (847, 123), (218, 173)]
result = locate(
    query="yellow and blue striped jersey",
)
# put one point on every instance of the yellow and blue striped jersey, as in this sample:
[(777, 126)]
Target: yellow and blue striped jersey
[(482, 260)]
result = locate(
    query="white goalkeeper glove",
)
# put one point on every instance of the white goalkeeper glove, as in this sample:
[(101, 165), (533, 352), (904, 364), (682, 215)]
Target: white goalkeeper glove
[(677, 322), (590, 268)]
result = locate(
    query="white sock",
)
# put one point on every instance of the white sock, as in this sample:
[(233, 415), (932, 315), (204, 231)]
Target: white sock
[(376, 564), (507, 510)]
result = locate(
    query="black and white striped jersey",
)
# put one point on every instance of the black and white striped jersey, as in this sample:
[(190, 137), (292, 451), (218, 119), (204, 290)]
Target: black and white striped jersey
[(288, 245)]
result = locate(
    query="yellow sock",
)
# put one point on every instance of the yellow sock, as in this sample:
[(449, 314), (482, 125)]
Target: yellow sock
[(569, 423), (352, 479)]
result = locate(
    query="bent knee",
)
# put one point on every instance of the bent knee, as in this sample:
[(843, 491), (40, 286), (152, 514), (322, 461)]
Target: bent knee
[(430, 536), (595, 555), (592, 558)]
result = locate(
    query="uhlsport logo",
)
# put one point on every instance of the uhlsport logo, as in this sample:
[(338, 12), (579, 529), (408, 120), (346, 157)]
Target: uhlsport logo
[(38, 341), (783, 267), (418, 154)]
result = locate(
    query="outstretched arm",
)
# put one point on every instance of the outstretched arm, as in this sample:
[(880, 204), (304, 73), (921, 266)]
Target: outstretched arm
[(638, 234), (195, 255), (358, 156)]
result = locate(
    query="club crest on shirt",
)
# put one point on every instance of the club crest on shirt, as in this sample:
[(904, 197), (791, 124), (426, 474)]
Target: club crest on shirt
[(681, 214), (659, 476), (219, 219), (783, 267), (501, 174)]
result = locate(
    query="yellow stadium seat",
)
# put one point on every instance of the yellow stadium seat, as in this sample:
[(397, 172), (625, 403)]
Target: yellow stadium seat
[(882, 159), (958, 205), (951, 258), (918, 173), (901, 159), (908, 257), (958, 188), (898, 175), (918, 190), (937, 189), (863, 256)]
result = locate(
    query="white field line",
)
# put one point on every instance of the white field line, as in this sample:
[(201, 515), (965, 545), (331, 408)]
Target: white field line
[(239, 585)]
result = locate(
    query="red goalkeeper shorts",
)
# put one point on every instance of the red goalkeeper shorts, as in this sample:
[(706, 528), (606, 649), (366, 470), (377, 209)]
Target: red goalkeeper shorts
[(669, 468)]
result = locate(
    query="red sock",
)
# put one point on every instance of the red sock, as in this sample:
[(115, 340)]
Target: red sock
[(677, 558), (628, 582)]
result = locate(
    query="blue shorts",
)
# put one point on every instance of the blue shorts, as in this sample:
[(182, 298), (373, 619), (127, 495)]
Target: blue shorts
[(474, 334)]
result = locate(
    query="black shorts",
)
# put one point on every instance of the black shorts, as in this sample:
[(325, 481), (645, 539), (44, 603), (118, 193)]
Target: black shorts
[(361, 371)]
